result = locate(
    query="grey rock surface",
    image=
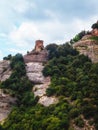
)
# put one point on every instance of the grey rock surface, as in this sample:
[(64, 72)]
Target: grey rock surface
[(88, 47), (40, 89), (5, 70), (6, 103), (47, 101), (34, 72)]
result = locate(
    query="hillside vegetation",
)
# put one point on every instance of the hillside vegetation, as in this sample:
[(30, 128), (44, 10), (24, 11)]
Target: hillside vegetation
[(74, 80)]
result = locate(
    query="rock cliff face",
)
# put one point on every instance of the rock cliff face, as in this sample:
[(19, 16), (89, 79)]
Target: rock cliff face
[(6, 100), (34, 73), (5, 70), (34, 65), (88, 47), (6, 103)]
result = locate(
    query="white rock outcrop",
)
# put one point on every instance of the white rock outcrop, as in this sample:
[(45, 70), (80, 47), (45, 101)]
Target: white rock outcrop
[(34, 73), (40, 91), (47, 101)]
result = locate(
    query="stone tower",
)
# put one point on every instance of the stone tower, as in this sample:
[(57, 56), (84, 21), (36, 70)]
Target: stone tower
[(39, 45)]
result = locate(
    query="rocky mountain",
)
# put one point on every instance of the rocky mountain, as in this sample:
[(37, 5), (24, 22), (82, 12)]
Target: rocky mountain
[(56, 88), (6, 103), (34, 63), (88, 45), (6, 100), (34, 73)]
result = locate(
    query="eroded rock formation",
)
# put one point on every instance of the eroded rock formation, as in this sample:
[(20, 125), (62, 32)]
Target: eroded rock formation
[(34, 61), (6, 103), (88, 47), (34, 73)]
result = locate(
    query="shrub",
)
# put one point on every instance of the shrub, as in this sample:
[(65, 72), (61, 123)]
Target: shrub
[(79, 122)]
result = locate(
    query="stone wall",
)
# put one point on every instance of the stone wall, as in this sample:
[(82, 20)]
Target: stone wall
[(36, 56)]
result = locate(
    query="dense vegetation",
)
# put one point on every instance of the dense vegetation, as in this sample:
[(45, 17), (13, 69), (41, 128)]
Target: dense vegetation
[(79, 36), (74, 80)]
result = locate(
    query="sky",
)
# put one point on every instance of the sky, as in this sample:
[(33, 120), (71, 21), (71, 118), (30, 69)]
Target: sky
[(54, 21)]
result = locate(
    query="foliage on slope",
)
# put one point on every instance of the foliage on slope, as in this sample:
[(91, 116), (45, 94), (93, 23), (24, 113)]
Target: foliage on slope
[(74, 81), (95, 38), (28, 115), (78, 37)]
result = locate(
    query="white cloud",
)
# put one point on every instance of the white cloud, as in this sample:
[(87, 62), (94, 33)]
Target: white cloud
[(3, 35), (25, 34), (15, 51), (50, 31), (24, 21), (28, 32), (22, 6)]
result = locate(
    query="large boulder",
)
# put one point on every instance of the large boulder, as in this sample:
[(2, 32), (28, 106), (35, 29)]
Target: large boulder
[(34, 72)]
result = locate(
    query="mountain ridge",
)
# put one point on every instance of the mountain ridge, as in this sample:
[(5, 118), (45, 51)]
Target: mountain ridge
[(57, 91)]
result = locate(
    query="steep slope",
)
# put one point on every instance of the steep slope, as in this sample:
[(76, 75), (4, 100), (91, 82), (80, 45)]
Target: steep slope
[(34, 62), (5, 70), (6, 103), (74, 81), (88, 47), (6, 100), (34, 73)]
